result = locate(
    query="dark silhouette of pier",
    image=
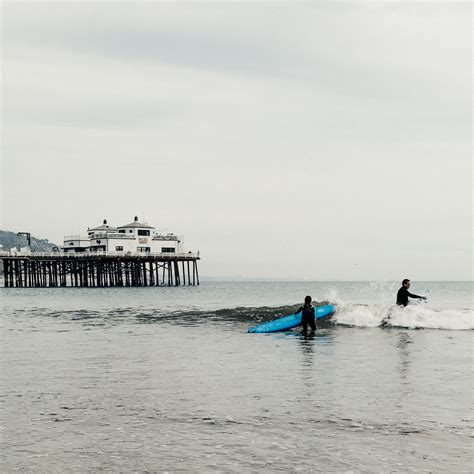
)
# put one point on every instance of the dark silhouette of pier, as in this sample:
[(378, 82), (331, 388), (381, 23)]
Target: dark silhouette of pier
[(99, 269)]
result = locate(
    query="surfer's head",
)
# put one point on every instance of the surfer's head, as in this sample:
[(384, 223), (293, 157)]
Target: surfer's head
[(308, 299), (406, 283)]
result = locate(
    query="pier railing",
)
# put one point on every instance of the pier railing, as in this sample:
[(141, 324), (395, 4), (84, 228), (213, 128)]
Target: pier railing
[(81, 255)]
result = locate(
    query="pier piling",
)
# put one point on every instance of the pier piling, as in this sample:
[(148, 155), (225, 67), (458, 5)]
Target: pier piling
[(41, 270)]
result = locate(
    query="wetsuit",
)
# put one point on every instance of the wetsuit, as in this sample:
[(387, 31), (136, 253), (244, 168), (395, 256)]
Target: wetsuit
[(403, 295), (307, 317)]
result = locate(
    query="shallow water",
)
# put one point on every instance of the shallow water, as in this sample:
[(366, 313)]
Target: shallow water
[(156, 379)]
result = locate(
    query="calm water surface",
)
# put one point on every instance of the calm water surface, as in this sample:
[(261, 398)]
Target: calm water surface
[(167, 379)]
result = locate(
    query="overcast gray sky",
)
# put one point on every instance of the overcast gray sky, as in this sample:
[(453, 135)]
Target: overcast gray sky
[(290, 140)]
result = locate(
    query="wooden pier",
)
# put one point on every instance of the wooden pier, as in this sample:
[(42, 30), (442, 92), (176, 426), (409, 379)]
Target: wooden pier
[(99, 269)]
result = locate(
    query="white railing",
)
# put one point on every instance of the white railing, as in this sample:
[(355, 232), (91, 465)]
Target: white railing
[(117, 235), (165, 237), (73, 255), (112, 235)]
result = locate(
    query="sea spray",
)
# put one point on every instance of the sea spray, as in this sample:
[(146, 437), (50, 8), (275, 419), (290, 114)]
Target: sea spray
[(359, 315), (413, 317), (383, 311), (417, 316)]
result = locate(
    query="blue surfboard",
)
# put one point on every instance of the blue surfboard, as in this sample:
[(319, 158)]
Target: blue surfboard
[(292, 320)]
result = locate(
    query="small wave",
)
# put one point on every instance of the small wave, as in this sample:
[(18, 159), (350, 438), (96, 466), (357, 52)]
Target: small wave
[(411, 317), (356, 315), (242, 314), (426, 318)]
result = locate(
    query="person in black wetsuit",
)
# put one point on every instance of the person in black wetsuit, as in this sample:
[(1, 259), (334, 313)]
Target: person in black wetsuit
[(403, 294), (307, 316)]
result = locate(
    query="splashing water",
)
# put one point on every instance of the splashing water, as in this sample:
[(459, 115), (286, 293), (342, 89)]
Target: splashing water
[(383, 311), (413, 316)]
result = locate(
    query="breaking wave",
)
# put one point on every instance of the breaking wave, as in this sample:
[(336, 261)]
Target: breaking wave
[(411, 317), (355, 315)]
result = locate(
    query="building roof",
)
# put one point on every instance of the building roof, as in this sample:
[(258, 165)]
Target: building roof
[(104, 227), (135, 224)]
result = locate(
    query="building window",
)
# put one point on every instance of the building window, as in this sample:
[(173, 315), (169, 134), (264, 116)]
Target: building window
[(119, 248), (130, 230), (121, 231), (98, 248), (143, 249), (168, 250), (143, 232)]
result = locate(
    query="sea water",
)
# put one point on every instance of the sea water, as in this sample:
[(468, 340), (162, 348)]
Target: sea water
[(168, 379)]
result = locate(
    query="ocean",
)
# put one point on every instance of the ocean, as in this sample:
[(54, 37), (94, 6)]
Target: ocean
[(168, 379)]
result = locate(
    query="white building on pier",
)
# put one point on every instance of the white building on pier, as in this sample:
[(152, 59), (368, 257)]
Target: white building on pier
[(130, 238)]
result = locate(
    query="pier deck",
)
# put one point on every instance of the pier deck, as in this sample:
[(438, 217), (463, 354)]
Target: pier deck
[(99, 269)]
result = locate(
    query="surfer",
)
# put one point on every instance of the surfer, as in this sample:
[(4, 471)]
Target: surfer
[(307, 315), (403, 294)]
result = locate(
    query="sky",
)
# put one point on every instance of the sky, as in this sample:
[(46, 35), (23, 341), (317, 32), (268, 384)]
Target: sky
[(324, 140)]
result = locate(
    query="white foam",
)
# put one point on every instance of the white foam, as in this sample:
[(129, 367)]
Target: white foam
[(359, 315), (417, 316), (414, 316)]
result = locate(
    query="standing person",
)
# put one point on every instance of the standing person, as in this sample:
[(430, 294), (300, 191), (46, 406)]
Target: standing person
[(307, 316), (403, 294)]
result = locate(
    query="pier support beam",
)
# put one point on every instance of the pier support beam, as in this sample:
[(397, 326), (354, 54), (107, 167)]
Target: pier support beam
[(40, 271)]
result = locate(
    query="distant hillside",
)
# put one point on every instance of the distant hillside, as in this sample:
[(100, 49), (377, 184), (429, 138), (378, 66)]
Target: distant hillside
[(10, 240)]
